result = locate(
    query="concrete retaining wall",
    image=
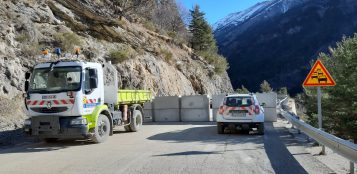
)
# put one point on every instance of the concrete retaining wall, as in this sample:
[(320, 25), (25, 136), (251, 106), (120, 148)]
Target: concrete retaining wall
[(195, 108), (166, 108), (270, 105)]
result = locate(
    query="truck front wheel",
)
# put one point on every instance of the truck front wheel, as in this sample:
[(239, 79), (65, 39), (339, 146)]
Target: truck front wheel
[(136, 121), (102, 130)]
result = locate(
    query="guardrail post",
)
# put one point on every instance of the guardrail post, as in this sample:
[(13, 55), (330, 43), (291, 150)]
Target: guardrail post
[(352, 164), (352, 167)]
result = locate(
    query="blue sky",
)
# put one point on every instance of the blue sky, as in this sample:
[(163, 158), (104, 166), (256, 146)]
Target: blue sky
[(218, 9)]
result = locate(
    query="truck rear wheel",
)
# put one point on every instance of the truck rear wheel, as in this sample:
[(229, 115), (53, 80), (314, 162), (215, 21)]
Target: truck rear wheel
[(102, 130), (136, 121)]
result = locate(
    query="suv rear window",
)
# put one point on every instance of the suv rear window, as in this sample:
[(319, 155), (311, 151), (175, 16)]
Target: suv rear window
[(238, 101)]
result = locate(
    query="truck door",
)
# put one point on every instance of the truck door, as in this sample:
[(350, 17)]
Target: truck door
[(91, 92)]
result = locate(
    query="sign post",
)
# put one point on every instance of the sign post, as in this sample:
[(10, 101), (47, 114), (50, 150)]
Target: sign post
[(319, 115), (319, 76)]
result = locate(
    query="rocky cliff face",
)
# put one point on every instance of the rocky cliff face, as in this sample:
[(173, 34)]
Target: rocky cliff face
[(155, 61)]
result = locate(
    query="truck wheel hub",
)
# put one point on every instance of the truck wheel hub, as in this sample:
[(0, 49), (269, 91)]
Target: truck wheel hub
[(102, 128)]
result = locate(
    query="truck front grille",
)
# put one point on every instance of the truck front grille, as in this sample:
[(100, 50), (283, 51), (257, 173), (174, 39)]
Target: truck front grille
[(52, 110)]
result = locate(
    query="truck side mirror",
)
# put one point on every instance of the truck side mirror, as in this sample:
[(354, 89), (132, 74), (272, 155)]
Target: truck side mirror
[(27, 75), (92, 72), (263, 104), (93, 82), (27, 84)]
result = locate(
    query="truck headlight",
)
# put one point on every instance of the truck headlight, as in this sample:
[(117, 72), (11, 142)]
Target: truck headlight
[(27, 122), (79, 121)]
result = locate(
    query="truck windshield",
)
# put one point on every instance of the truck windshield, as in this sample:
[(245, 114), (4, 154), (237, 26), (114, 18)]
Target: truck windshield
[(238, 101), (60, 79)]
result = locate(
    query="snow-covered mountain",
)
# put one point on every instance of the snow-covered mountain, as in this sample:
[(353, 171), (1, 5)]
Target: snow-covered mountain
[(276, 40), (266, 9)]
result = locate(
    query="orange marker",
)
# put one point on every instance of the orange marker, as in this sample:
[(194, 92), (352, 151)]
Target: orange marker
[(44, 51), (77, 50)]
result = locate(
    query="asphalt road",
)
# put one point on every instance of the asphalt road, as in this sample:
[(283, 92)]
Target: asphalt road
[(165, 148)]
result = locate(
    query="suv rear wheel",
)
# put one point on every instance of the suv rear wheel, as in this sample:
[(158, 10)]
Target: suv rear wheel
[(220, 128), (261, 129)]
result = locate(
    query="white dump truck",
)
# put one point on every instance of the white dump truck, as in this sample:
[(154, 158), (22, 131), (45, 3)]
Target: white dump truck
[(77, 99)]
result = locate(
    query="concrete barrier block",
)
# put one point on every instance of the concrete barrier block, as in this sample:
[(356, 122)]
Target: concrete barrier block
[(270, 115), (195, 101), (166, 115), (188, 115), (148, 105), (217, 100), (214, 113), (148, 117), (269, 99), (166, 102)]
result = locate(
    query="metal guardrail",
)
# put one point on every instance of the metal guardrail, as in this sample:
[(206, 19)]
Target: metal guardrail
[(343, 147)]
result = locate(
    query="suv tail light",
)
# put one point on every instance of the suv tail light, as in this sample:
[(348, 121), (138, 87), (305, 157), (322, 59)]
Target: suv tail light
[(257, 109), (220, 111)]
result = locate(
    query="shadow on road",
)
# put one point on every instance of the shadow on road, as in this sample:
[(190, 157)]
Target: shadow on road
[(206, 134), (179, 123), (189, 153), (11, 138), (43, 147), (280, 158)]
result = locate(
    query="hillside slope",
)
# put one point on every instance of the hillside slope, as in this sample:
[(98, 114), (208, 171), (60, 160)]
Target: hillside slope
[(276, 40), (155, 61)]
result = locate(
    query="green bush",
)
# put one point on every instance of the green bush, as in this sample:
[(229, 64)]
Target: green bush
[(22, 38), (68, 41), (150, 26), (31, 50), (118, 56), (219, 62), (121, 54), (172, 34), (166, 54)]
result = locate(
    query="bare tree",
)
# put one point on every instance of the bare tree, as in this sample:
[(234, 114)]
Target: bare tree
[(183, 12), (128, 7)]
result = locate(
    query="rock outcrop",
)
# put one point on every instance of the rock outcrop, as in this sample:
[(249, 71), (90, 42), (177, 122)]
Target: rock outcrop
[(154, 62)]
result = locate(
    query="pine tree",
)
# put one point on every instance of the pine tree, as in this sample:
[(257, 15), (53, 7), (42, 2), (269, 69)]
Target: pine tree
[(242, 90), (202, 37), (265, 87), (339, 103)]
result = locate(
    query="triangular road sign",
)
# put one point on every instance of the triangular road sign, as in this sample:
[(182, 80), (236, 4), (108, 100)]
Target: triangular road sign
[(319, 76)]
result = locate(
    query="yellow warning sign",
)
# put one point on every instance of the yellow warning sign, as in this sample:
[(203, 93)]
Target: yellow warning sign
[(319, 76)]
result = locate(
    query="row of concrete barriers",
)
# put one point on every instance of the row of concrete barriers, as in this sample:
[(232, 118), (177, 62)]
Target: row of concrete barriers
[(197, 108)]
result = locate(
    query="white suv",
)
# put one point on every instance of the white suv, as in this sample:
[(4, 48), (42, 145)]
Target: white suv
[(240, 112)]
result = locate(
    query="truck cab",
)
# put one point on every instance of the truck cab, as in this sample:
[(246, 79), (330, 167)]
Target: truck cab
[(76, 99)]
